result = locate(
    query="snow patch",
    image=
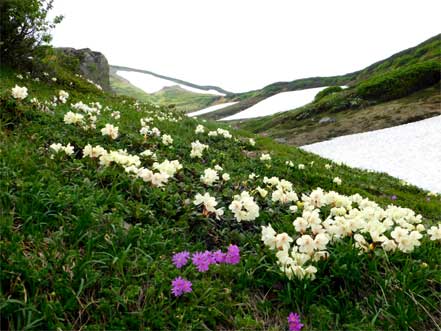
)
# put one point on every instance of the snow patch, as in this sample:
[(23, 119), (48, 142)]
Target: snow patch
[(210, 109), (277, 103), (411, 152)]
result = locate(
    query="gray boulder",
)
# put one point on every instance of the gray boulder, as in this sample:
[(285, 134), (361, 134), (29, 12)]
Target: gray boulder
[(326, 120), (93, 65)]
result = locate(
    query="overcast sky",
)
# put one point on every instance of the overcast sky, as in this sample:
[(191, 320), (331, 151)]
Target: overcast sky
[(241, 45)]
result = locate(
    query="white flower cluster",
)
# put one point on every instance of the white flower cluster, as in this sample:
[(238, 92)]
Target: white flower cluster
[(145, 121), (94, 84), (73, 118), (131, 164), (263, 193), (149, 153), (244, 208), (226, 177), (57, 147), (94, 108), (120, 157), (166, 116), (146, 130), (116, 115), (19, 93), (197, 149), (93, 152), (265, 157), (371, 226), (283, 190), (435, 232), (168, 167), (63, 96), (110, 130), (167, 140), (199, 129), (86, 121), (220, 132), (42, 106), (166, 170), (284, 193), (209, 177), (209, 203)]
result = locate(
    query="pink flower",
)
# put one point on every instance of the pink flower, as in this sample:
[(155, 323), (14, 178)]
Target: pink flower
[(203, 260), (219, 257), (294, 322), (180, 259), (181, 286), (233, 255)]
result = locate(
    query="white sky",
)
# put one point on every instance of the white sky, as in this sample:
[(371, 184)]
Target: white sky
[(241, 45)]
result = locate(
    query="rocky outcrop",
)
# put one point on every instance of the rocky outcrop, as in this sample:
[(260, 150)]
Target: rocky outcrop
[(93, 65)]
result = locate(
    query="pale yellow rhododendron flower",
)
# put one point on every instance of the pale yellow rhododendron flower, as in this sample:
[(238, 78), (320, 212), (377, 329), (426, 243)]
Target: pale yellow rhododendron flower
[(110, 130), (371, 227), (265, 157), (19, 93), (244, 208), (209, 177)]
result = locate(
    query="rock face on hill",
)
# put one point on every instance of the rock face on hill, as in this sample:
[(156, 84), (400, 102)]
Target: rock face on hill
[(93, 65)]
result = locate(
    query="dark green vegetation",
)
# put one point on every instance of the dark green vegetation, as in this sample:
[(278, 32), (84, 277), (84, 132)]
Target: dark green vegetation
[(416, 67), (327, 91), (182, 99), (24, 28), (400, 82), (88, 247)]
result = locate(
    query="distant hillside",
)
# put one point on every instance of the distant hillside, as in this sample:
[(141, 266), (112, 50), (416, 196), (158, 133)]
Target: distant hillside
[(429, 50), (290, 128), (182, 99), (176, 80)]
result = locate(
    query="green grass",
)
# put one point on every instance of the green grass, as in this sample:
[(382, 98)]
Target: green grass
[(89, 247)]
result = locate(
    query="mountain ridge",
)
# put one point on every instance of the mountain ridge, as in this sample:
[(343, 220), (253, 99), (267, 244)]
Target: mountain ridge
[(427, 50), (176, 80)]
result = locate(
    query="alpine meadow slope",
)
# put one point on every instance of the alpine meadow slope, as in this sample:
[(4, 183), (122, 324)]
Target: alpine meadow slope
[(120, 214), (100, 192)]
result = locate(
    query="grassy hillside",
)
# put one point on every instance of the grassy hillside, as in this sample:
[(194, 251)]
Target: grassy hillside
[(428, 51), (123, 87), (293, 129), (88, 236), (184, 100), (174, 95)]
